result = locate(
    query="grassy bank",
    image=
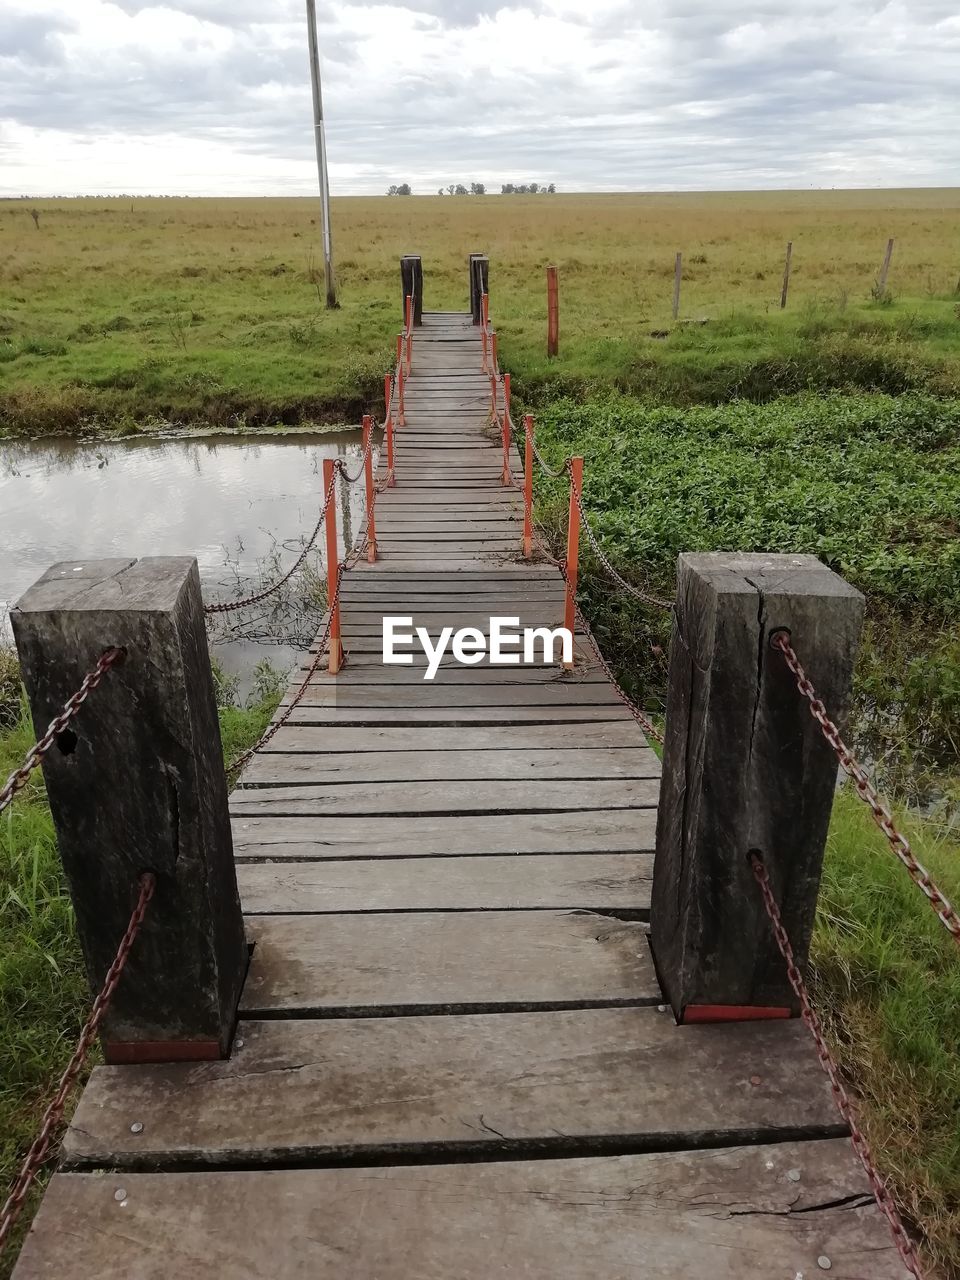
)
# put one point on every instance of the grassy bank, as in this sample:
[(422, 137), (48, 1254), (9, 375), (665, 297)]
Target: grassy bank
[(887, 981), (122, 312), (869, 483), (43, 993)]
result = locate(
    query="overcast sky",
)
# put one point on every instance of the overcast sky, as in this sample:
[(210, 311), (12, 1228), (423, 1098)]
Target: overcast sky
[(213, 96)]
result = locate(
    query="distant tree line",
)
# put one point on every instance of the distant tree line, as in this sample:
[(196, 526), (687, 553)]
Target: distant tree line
[(479, 189)]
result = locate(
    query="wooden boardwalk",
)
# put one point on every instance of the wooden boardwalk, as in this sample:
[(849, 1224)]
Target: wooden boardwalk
[(453, 1062)]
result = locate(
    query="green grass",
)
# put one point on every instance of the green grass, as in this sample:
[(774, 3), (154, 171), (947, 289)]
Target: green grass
[(886, 978), (43, 992), (118, 313), (870, 483)]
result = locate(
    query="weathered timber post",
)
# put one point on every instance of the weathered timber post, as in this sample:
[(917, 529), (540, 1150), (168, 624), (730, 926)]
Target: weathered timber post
[(677, 277), (786, 275), (411, 277), (137, 784), (479, 283), (885, 270), (745, 770), (553, 312)]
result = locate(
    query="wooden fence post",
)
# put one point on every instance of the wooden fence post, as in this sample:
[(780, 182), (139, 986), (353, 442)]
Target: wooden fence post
[(885, 269), (411, 278), (137, 784), (553, 312), (677, 273), (479, 279), (745, 769), (786, 276)]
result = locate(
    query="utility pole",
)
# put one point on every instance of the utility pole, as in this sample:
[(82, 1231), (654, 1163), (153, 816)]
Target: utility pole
[(321, 154)]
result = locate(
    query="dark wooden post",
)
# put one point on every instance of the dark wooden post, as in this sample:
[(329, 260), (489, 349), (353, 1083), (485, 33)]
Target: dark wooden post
[(411, 276), (553, 312), (786, 275), (677, 277), (137, 784), (479, 283), (745, 769), (884, 270)]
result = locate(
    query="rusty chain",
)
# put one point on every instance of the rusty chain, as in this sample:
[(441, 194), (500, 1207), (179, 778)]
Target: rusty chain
[(945, 911), (231, 605), (40, 1147), (19, 778), (602, 557), (276, 725), (840, 1096), (341, 467)]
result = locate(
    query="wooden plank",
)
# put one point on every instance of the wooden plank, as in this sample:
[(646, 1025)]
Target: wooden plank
[(552, 694), (378, 1088), (481, 796), (496, 960), (307, 713), (595, 882), (365, 657), (495, 737), (592, 831), (734, 1214), (277, 769), (363, 670)]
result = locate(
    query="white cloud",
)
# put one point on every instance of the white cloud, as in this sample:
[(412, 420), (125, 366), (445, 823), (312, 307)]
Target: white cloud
[(210, 96)]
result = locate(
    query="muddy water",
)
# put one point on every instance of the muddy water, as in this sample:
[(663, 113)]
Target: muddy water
[(242, 505)]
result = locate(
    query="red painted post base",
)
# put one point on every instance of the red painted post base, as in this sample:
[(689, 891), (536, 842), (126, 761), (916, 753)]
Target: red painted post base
[(731, 1013), (126, 1054)]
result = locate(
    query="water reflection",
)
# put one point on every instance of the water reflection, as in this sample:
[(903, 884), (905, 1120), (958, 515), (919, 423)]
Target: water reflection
[(241, 505)]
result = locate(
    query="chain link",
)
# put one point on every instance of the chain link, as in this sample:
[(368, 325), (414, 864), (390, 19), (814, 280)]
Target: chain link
[(19, 778), (232, 605), (601, 556), (40, 1147), (840, 1096), (946, 913), (645, 723), (276, 725), (348, 478)]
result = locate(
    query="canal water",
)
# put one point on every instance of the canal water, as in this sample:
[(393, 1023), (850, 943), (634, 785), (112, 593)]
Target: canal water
[(244, 506)]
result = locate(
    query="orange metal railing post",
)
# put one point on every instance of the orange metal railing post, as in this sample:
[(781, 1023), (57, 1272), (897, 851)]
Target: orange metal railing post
[(333, 568), (409, 332), (506, 477), (528, 486), (401, 419), (573, 547), (388, 426), (371, 498)]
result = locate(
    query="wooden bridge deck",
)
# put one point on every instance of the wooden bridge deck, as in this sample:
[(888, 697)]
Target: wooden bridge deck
[(452, 1060)]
